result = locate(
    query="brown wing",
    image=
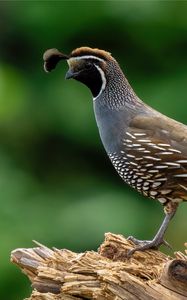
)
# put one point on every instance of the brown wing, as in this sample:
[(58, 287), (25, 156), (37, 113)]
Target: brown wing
[(162, 128), (156, 149)]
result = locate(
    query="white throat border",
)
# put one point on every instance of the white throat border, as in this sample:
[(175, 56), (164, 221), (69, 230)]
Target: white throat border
[(103, 78)]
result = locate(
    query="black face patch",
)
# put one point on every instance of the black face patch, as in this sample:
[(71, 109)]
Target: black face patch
[(87, 73)]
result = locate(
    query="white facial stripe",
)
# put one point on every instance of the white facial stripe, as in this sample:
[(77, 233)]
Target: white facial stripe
[(103, 78), (86, 57)]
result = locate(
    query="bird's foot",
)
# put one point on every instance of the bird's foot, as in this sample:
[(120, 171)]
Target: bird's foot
[(145, 245)]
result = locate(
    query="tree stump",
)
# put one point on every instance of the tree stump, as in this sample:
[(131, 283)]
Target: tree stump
[(107, 274)]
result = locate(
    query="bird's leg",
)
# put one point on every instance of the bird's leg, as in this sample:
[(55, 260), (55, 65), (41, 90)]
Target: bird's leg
[(158, 240)]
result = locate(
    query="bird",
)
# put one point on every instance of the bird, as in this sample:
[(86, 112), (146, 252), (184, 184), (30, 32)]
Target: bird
[(147, 148)]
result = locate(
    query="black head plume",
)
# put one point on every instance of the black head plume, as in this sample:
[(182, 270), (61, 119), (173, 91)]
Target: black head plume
[(51, 58)]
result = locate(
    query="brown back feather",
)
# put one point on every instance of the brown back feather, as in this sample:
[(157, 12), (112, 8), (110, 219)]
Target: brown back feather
[(82, 51)]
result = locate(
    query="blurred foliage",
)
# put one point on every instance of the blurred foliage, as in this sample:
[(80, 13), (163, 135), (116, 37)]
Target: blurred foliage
[(56, 184)]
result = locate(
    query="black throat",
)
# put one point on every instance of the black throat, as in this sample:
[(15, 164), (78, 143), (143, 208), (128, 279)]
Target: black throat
[(92, 79)]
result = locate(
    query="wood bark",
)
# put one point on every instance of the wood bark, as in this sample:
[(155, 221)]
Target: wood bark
[(106, 274)]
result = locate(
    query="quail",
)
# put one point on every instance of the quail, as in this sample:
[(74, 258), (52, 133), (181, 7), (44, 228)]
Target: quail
[(147, 148)]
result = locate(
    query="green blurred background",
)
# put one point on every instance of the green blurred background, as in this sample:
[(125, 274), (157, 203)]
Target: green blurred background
[(56, 184)]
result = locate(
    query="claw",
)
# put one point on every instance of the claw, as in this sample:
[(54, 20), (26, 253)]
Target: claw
[(145, 245), (165, 243), (135, 241), (157, 241)]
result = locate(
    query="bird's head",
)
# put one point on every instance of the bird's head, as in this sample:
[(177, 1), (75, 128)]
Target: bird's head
[(86, 65)]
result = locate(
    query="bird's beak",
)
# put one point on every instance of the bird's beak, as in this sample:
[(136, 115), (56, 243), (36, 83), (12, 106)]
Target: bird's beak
[(70, 74)]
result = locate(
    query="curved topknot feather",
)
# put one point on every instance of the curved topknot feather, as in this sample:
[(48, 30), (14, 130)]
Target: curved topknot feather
[(51, 58)]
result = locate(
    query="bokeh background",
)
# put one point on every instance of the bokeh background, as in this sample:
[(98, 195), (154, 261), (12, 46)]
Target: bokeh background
[(56, 184)]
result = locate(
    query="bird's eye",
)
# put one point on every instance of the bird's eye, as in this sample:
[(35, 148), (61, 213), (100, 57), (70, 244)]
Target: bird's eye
[(88, 66)]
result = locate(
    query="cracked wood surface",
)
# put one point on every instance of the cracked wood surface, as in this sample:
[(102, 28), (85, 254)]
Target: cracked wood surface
[(107, 274)]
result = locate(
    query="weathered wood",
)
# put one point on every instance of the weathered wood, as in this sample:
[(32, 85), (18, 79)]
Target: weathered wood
[(107, 274)]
